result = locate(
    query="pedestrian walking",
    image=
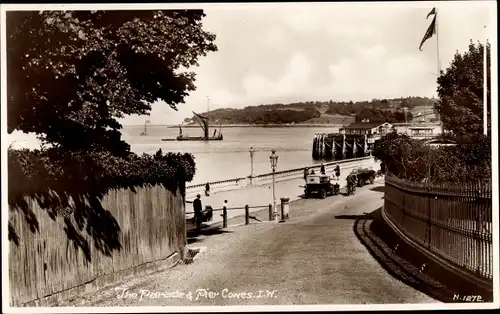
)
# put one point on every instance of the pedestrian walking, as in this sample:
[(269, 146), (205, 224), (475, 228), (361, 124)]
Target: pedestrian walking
[(306, 173), (351, 183), (337, 171), (197, 212), (322, 169), (207, 189)]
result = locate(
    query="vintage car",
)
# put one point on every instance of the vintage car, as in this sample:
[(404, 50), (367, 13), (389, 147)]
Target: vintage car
[(320, 185), (364, 176)]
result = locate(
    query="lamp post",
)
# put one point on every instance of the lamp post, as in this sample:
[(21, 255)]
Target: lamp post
[(274, 162), (251, 151)]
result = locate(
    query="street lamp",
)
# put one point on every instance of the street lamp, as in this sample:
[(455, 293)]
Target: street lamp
[(252, 151), (274, 162)]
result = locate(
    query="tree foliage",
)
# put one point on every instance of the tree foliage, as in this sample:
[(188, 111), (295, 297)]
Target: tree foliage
[(71, 74), (377, 115), (402, 156), (460, 90), (406, 158), (259, 115)]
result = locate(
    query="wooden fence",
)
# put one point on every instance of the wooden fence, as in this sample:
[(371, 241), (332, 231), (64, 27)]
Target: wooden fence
[(451, 222), (152, 228)]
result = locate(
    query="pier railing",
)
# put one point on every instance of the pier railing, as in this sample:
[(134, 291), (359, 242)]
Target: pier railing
[(451, 224), (236, 183)]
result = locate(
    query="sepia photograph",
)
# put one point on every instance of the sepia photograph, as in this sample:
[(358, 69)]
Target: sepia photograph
[(249, 156)]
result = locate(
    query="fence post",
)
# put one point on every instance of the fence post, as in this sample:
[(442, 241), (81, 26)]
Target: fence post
[(429, 216), (224, 217), (270, 212), (284, 208), (247, 215)]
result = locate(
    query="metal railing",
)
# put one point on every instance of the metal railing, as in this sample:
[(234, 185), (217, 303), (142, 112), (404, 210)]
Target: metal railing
[(283, 174), (453, 223), (236, 181)]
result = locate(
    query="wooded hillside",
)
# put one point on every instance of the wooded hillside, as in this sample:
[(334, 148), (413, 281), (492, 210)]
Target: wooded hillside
[(318, 112)]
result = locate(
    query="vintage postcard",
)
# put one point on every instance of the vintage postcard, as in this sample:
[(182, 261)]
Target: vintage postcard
[(249, 156)]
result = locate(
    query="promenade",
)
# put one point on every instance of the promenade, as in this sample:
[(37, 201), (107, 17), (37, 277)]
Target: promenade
[(312, 258), (262, 195)]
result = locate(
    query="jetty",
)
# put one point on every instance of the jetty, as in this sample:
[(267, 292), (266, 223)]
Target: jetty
[(336, 146), (352, 141)]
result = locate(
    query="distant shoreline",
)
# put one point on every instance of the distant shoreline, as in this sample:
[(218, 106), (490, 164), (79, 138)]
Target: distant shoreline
[(249, 126)]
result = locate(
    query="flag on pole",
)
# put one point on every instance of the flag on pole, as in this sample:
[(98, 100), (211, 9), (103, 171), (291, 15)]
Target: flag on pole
[(431, 30), (433, 11)]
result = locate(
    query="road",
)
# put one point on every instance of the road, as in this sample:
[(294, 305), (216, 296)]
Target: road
[(313, 258)]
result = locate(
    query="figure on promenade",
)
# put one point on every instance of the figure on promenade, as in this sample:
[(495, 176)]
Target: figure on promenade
[(306, 173), (351, 183), (337, 171), (382, 167), (322, 169), (207, 189), (197, 212)]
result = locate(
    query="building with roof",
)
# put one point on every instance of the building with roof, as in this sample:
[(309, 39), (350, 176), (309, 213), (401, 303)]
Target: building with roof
[(376, 130), (368, 128), (419, 130)]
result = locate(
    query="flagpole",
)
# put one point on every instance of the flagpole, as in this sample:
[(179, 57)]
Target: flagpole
[(485, 85), (437, 47), (437, 44)]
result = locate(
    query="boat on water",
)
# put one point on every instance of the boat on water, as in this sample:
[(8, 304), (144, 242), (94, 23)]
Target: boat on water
[(218, 137), (204, 124), (145, 131)]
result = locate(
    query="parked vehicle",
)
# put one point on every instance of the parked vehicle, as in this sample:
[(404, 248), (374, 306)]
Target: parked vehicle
[(365, 176), (320, 185)]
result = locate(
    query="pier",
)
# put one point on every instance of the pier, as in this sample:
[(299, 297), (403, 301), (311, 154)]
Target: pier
[(335, 146)]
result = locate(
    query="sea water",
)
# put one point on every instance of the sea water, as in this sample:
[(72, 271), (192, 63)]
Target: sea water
[(230, 158)]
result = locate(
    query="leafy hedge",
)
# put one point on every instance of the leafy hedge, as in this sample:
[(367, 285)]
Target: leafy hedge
[(406, 158), (33, 172)]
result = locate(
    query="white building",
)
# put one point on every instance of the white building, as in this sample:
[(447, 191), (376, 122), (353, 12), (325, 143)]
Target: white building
[(419, 130)]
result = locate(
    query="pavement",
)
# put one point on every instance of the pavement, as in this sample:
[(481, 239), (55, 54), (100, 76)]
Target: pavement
[(312, 258)]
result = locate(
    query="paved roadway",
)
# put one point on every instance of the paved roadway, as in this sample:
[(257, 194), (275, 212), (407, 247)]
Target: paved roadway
[(313, 258)]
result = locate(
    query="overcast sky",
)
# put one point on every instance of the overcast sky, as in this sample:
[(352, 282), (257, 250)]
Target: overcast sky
[(340, 51)]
